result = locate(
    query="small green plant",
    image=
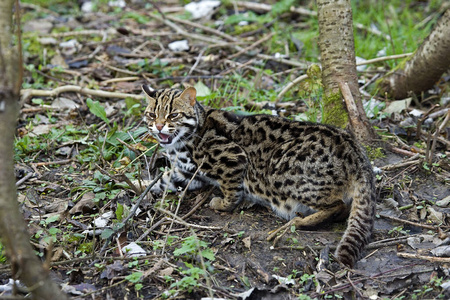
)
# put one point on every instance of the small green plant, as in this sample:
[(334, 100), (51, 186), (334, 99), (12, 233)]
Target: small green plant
[(397, 231), (2, 254), (136, 279), (192, 247)]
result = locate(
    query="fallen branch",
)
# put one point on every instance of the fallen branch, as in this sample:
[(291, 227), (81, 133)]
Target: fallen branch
[(408, 222), (424, 257), (290, 85), (384, 58), (29, 93)]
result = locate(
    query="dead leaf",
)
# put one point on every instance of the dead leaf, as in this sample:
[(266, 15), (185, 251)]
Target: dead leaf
[(166, 272), (85, 204), (247, 242)]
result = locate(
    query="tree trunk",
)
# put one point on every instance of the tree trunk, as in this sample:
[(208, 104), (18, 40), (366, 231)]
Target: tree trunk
[(421, 71), (24, 263), (337, 50)]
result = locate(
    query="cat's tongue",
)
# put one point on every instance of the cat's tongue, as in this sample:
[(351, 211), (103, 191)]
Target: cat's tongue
[(165, 138)]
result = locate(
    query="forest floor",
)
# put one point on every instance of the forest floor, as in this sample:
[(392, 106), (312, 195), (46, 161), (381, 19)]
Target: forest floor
[(78, 151)]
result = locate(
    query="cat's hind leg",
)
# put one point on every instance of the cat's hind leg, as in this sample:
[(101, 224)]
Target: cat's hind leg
[(308, 221)]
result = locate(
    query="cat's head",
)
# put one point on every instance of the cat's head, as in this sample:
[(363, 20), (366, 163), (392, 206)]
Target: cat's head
[(170, 114)]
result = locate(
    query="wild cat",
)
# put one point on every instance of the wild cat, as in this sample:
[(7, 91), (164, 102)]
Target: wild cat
[(305, 172)]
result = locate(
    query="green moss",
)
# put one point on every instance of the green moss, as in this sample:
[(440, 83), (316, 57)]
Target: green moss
[(333, 110), (374, 153)]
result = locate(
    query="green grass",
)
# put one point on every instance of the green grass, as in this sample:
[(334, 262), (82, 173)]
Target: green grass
[(398, 19)]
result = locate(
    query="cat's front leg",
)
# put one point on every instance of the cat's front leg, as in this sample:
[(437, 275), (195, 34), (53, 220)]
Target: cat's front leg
[(228, 169)]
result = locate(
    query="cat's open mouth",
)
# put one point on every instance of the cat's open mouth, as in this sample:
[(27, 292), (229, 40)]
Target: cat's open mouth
[(165, 138)]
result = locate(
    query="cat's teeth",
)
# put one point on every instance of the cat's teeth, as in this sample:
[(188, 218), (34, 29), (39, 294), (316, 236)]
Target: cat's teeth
[(165, 138)]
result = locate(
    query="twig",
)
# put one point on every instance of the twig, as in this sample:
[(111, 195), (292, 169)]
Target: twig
[(154, 226), (185, 33), (403, 151), (205, 197), (197, 60), (55, 162), (345, 285), (267, 7), (76, 33), (423, 118), (246, 49), (378, 59), (179, 220), (400, 165), (353, 115), (424, 257), (22, 180), (354, 286), (408, 222), (204, 28), (132, 212), (291, 85), (28, 93), (120, 79)]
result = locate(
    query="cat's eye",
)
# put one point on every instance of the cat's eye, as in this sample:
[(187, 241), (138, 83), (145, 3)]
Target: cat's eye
[(151, 116), (173, 115)]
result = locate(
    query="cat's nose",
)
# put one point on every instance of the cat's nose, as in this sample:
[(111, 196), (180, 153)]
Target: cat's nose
[(159, 126)]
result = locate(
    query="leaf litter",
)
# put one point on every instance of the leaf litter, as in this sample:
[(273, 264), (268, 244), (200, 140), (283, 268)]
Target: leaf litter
[(79, 155)]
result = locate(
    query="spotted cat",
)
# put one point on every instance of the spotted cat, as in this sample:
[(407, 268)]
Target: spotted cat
[(307, 173)]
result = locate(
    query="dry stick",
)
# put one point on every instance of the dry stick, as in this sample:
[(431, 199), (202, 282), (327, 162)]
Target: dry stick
[(424, 257), (378, 59), (76, 33), (120, 79), (197, 60), (56, 162), (267, 7), (132, 212), (22, 180), (291, 85), (183, 32), (28, 93), (409, 222), (154, 226), (403, 151), (246, 49), (125, 71), (353, 115), (423, 118), (345, 285), (354, 286), (204, 28), (400, 165), (438, 130), (205, 197), (177, 219), (166, 220)]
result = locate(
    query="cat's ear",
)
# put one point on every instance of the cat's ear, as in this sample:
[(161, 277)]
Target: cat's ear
[(188, 95), (149, 92)]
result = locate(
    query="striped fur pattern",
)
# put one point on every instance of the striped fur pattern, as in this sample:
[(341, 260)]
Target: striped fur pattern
[(308, 173)]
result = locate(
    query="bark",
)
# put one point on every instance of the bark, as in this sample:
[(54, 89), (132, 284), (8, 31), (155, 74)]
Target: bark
[(25, 264), (337, 50), (421, 71)]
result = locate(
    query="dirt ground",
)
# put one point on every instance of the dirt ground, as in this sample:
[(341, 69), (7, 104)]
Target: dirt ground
[(75, 165)]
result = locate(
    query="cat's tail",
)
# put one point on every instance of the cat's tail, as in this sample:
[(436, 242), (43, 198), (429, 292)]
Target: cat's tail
[(360, 221)]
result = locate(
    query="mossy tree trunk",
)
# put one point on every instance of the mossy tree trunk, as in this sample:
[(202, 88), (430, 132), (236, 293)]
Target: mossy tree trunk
[(337, 50), (421, 71), (25, 264)]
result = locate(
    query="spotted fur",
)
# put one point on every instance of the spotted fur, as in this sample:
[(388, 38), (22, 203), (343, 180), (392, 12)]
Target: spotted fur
[(295, 168)]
